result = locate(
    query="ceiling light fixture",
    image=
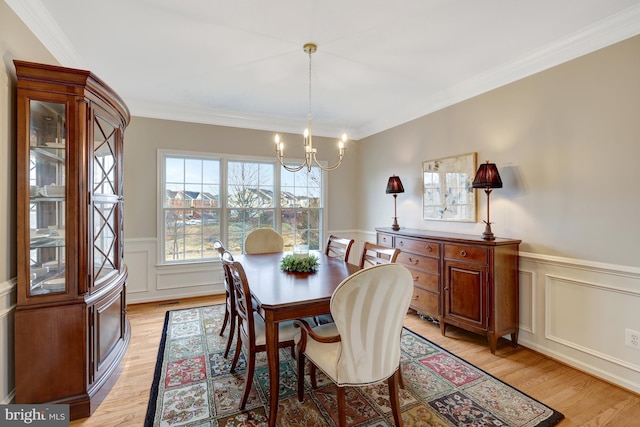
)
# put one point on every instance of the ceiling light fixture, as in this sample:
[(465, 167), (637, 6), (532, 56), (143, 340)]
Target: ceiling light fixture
[(309, 151)]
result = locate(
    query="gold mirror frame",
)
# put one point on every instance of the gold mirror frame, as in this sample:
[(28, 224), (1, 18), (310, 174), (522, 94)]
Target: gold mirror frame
[(447, 193)]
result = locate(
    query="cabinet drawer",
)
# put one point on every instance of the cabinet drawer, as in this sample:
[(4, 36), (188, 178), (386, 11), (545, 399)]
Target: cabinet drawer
[(425, 302), (385, 240), (465, 253), (422, 247), (419, 262), (425, 280)]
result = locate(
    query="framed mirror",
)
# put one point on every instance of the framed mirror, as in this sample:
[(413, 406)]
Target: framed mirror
[(447, 191)]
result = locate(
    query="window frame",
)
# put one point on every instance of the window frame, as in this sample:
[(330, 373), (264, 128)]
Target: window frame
[(223, 208)]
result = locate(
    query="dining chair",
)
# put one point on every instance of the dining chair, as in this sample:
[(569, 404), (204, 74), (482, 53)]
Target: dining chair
[(373, 254), (362, 346), (338, 247), (263, 240), (251, 327), (230, 314)]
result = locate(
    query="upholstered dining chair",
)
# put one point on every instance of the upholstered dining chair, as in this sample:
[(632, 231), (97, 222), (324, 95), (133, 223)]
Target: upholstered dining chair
[(373, 254), (251, 327), (362, 346), (263, 240), (338, 247), (230, 314)]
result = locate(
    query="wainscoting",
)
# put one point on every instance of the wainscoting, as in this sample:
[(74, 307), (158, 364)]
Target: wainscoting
[(8, 299), (577, 312)]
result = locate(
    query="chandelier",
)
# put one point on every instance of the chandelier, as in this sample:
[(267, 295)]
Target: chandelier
[(309, 151)]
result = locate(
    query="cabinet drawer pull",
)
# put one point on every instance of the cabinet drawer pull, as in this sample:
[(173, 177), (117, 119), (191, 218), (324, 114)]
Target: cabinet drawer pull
[(429, 248), (401, 243), (414, 262), (463, 253), (415, 297), (416, 278)]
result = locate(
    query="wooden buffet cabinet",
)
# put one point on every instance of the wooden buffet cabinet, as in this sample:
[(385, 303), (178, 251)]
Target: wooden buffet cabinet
[(461, 279), (71, 329)]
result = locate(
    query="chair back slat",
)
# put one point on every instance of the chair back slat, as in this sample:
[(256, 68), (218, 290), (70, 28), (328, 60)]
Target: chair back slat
[(373, 254), (338, 247)]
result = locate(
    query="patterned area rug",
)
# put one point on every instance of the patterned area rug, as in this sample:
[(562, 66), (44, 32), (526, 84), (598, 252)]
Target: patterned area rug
[(193, 387)]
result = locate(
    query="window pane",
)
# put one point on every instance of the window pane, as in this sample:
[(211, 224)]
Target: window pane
[(191, 215)]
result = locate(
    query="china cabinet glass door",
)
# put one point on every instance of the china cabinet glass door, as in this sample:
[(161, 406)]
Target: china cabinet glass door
[(47, 197), (106, 200)]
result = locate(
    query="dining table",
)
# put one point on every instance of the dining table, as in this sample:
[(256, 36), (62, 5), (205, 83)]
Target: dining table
[(282, 295)]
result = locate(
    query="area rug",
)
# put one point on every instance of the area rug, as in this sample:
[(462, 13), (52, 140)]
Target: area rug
[(193, 387)]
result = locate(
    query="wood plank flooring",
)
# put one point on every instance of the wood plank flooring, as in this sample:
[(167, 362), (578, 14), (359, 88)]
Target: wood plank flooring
[(583, 399)]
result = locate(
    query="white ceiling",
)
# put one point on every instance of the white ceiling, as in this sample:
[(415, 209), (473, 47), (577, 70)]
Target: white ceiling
[(379, 63)]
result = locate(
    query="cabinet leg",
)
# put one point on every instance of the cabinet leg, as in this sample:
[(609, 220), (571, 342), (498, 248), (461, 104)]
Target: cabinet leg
[(493, 342), (514, 339), (443, 327)]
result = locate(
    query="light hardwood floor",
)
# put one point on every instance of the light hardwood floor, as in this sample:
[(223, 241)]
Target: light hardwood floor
[(583, 399)]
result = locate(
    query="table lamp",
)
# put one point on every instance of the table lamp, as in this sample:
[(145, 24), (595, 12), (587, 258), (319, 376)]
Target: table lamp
[(488, 178), (394, 186)]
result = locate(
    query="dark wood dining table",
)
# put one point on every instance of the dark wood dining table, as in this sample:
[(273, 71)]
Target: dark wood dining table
[(284, 295)]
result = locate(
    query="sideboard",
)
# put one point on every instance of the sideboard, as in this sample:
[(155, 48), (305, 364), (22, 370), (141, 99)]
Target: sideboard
[(461, 279)]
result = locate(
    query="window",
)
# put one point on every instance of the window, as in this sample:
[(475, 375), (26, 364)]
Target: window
[(190, 207), (301, 208), (210, 197), (250, 200)]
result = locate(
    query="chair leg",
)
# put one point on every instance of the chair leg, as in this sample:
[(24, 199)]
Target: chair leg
[(393, 382), (312, 375), (342, 407), (251, 364), (301, 361), (401, 379), (236, 356), (232, 329), (224, 322)]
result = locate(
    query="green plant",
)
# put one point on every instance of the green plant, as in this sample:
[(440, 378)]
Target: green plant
[(299, 264)]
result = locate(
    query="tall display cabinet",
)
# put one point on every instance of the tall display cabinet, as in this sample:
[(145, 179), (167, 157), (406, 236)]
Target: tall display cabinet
[(71, 329)]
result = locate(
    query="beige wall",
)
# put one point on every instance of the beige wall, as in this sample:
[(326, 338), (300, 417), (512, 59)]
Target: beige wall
[(566, 141), (145, 136)]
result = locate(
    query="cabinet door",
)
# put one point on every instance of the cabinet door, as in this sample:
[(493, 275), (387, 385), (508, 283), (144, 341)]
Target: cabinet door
[(106, 199), (42, 164), (465, 295), (107, 332)]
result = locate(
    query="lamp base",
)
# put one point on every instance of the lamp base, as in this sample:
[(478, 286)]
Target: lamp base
[(488, 234), (395, 226)]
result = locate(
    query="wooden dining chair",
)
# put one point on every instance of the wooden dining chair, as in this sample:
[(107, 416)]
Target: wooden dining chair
[(263, 240), (373, 254), (362, 346), (230, 314), (338, 247), (251, 327)]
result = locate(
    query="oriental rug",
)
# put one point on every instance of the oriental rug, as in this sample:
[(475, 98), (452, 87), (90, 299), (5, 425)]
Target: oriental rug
[(193, 387)]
